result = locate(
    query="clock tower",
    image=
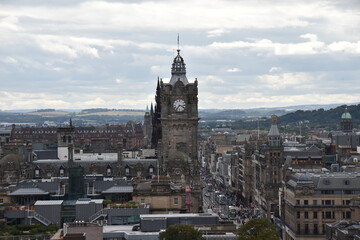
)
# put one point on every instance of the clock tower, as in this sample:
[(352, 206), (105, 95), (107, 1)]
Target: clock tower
[(178, 120)]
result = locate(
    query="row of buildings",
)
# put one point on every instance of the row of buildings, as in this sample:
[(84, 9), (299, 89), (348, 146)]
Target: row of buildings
[(302, 185), (60, 175)]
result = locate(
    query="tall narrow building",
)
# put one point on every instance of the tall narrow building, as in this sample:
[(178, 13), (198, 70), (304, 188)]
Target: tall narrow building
[(346, 121), (177, 108), (274, 162), (147, 130)]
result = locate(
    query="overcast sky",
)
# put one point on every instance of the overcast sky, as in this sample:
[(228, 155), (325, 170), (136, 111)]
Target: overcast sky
[(72, 54)]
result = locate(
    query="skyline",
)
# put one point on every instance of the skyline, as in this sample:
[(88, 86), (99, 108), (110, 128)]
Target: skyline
[(108, 54)]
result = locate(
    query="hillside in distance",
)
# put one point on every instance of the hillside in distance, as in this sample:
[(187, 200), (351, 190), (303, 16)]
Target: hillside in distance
[(321, 117), (317, 115)]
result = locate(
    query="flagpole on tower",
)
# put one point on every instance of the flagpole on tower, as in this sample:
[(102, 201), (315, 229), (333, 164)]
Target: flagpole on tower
[(178, 41)]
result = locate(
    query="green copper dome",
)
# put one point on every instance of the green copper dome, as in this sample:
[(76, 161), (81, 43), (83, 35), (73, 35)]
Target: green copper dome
[(346, 114)]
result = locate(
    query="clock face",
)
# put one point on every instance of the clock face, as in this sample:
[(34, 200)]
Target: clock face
[(179, 105)]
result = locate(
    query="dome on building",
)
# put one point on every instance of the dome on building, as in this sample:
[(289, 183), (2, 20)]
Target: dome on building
[(178, 70), (274, 131), (346, 114)]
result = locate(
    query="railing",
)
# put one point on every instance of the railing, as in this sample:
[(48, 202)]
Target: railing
[(100, 213), (40, 218), (92, 192), (59, 192)]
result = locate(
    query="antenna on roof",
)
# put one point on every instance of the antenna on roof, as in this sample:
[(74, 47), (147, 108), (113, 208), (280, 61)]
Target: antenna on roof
[(178, 41)]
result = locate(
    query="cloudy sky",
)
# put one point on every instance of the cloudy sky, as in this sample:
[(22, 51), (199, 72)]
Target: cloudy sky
[(72, 54)]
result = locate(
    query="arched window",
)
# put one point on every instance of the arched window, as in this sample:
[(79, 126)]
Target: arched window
[(64, 139)]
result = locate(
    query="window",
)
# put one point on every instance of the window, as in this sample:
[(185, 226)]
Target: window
[(347, 215), (108, 171), (316, 230), (327, 202), (37, 172), (61, 172), (347, 192), (346, 202), (297, 202), (298, 214), (142, 201), (306, 228), (314, 202), (69, 139), (315, 215), (64, 139), (327, 191), (176, 201), (151, 170), (328, 215), (306, 202), (306, 215), (127, 171), (298, 229)]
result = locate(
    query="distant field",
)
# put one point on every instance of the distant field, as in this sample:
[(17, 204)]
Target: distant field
[(114, 113), (105, 113), (49, 114)]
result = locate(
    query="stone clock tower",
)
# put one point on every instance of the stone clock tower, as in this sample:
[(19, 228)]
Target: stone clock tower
[(177, 110)]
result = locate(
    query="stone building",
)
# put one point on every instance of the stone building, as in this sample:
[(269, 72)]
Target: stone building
[(161, 195), (345, 142), (312, 200), (129, 135), (175, 128), (346, 121), (267, 163), (148, 126)]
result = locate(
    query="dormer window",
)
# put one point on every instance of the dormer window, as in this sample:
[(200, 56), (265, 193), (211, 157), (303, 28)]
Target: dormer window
[(108, 171), (37, 173), (151, 170), (62, 172), (127, 171)]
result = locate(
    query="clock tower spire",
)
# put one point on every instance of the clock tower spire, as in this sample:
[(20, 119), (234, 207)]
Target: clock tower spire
[(178, 151)]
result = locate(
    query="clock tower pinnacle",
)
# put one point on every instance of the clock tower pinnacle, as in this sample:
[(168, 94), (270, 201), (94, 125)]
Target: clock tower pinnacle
[(178, 147)]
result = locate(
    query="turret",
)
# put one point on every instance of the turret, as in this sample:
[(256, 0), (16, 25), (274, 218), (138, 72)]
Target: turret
[(346, 121)]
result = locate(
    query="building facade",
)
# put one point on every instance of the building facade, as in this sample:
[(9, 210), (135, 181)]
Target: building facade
[(175, 129), (312, 200)]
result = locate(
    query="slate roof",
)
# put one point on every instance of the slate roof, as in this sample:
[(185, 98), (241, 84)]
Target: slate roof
[(46, 154), (28, 191), (25, 187), (274, 131), (48, 202), (119, 189), (104, 185), (328, 181)]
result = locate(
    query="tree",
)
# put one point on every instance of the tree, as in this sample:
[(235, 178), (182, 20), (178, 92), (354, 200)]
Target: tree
[(258, 229), (181, 232)]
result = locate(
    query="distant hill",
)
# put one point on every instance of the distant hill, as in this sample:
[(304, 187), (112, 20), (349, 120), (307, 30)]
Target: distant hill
[(321, 117), (317, 116)]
